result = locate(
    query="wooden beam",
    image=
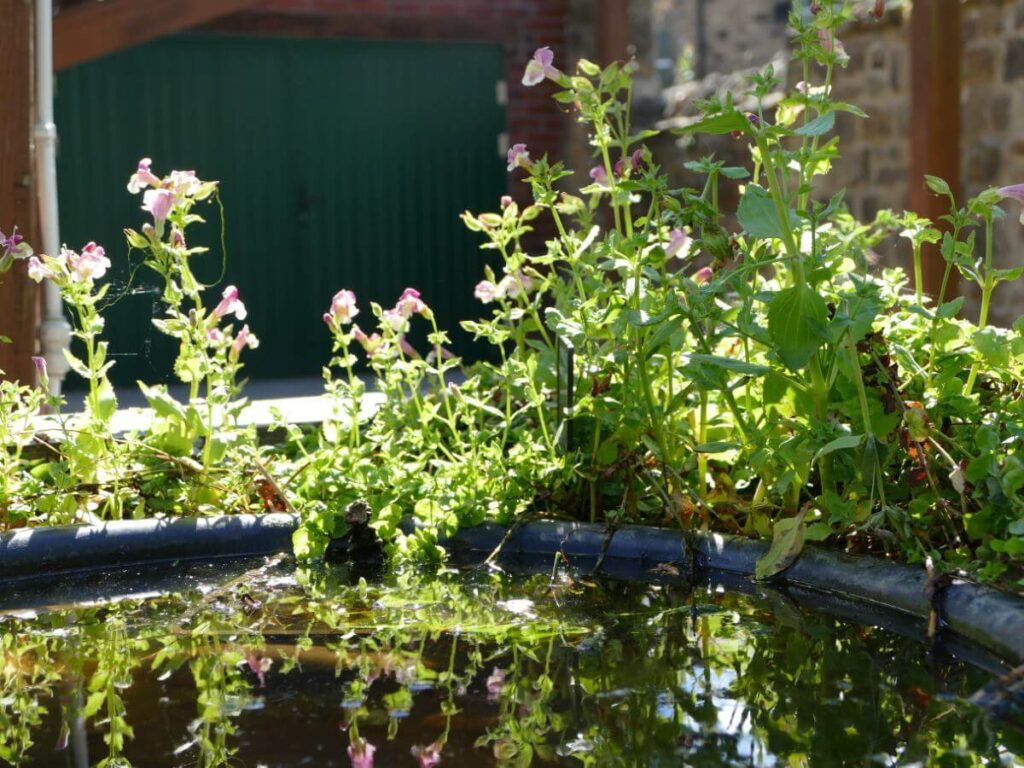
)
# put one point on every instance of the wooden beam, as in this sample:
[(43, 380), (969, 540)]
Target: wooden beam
[(92, 29), (613, 31), (934, 120), (19, 296)]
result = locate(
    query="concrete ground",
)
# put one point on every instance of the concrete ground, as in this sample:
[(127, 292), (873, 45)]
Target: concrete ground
[(301, 401)]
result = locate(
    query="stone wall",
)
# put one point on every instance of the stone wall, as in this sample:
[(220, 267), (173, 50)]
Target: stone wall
[(874, 164)]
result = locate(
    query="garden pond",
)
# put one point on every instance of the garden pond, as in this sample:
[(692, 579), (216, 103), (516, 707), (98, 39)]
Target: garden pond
[(263, 663)]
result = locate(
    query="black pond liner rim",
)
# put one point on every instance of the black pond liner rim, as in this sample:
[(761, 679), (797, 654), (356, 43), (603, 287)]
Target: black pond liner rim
[(992, 619)]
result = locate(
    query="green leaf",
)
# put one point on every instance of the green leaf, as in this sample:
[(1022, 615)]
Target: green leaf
[(950, 308), (839, 444), (730, 364), (757, 214), (720, 446), (76, 364), (93, 703), (106, 401), (734, 172), (937, 185), (818, 531), (796, 322), (162, 403), (787, 542), (723, 122), (819, 126)]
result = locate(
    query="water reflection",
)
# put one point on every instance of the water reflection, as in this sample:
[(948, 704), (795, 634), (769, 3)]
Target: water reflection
[(324, 668)]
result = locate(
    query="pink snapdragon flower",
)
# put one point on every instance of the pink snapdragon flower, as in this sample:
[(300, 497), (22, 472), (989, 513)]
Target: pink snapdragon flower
[(158, 202), (91, 264), (679, 243), (620, 167), (832, 44), (541, 66), (428, 756), (229, 304), (407, 349), (360, 752), (143, 177), (485, 291), (184, 183), (343, 308), (518, 157), (1015, 191), (446, 354), (370, 343), (599, 175), (637, 160), (410, 303), (395, 320), (245, 338), (513, 285), (215, 336), (703, 275), (177, 238), (38, 271)]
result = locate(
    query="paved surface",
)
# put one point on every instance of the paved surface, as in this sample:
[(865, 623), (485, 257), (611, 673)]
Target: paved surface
[(300, 401)]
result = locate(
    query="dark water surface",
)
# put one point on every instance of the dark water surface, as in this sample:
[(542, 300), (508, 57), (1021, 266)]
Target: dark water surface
[(286, 667)]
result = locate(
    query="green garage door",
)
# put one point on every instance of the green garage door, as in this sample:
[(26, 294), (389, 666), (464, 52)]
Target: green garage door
[(342, 164)]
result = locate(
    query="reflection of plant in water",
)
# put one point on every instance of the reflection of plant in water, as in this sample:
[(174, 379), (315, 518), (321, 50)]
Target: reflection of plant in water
[(27, 675), (117, 655), (622, 675)]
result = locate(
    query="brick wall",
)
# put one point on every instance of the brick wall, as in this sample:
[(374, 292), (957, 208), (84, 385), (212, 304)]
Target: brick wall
[(520, 26)]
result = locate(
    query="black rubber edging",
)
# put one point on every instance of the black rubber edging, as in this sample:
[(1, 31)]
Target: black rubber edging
[(992, 619), (33, 552)]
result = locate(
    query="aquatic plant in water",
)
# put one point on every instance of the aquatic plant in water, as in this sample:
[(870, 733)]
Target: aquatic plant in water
[(742, 370), (276, 666)]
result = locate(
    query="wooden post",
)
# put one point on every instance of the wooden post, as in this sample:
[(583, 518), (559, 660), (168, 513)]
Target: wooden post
[(19, 296), (613, 31), (934, 120)]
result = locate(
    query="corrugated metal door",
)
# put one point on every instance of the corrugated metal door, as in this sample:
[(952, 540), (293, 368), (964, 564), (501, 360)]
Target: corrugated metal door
[(342, 163)]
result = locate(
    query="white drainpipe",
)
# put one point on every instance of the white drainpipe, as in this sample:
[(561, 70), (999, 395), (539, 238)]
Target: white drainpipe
[(54, 331)]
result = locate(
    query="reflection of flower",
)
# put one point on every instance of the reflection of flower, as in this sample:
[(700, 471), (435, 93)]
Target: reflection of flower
[(360, 752), (495, 683), (259, 666), (428, 756)]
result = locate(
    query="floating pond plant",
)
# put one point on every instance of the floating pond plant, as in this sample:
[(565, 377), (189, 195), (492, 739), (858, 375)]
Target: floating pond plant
[(328, 666)]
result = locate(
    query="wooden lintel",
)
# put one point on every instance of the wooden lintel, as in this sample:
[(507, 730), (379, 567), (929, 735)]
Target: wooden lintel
[(934, 120), (19, 296), (92, 29)]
